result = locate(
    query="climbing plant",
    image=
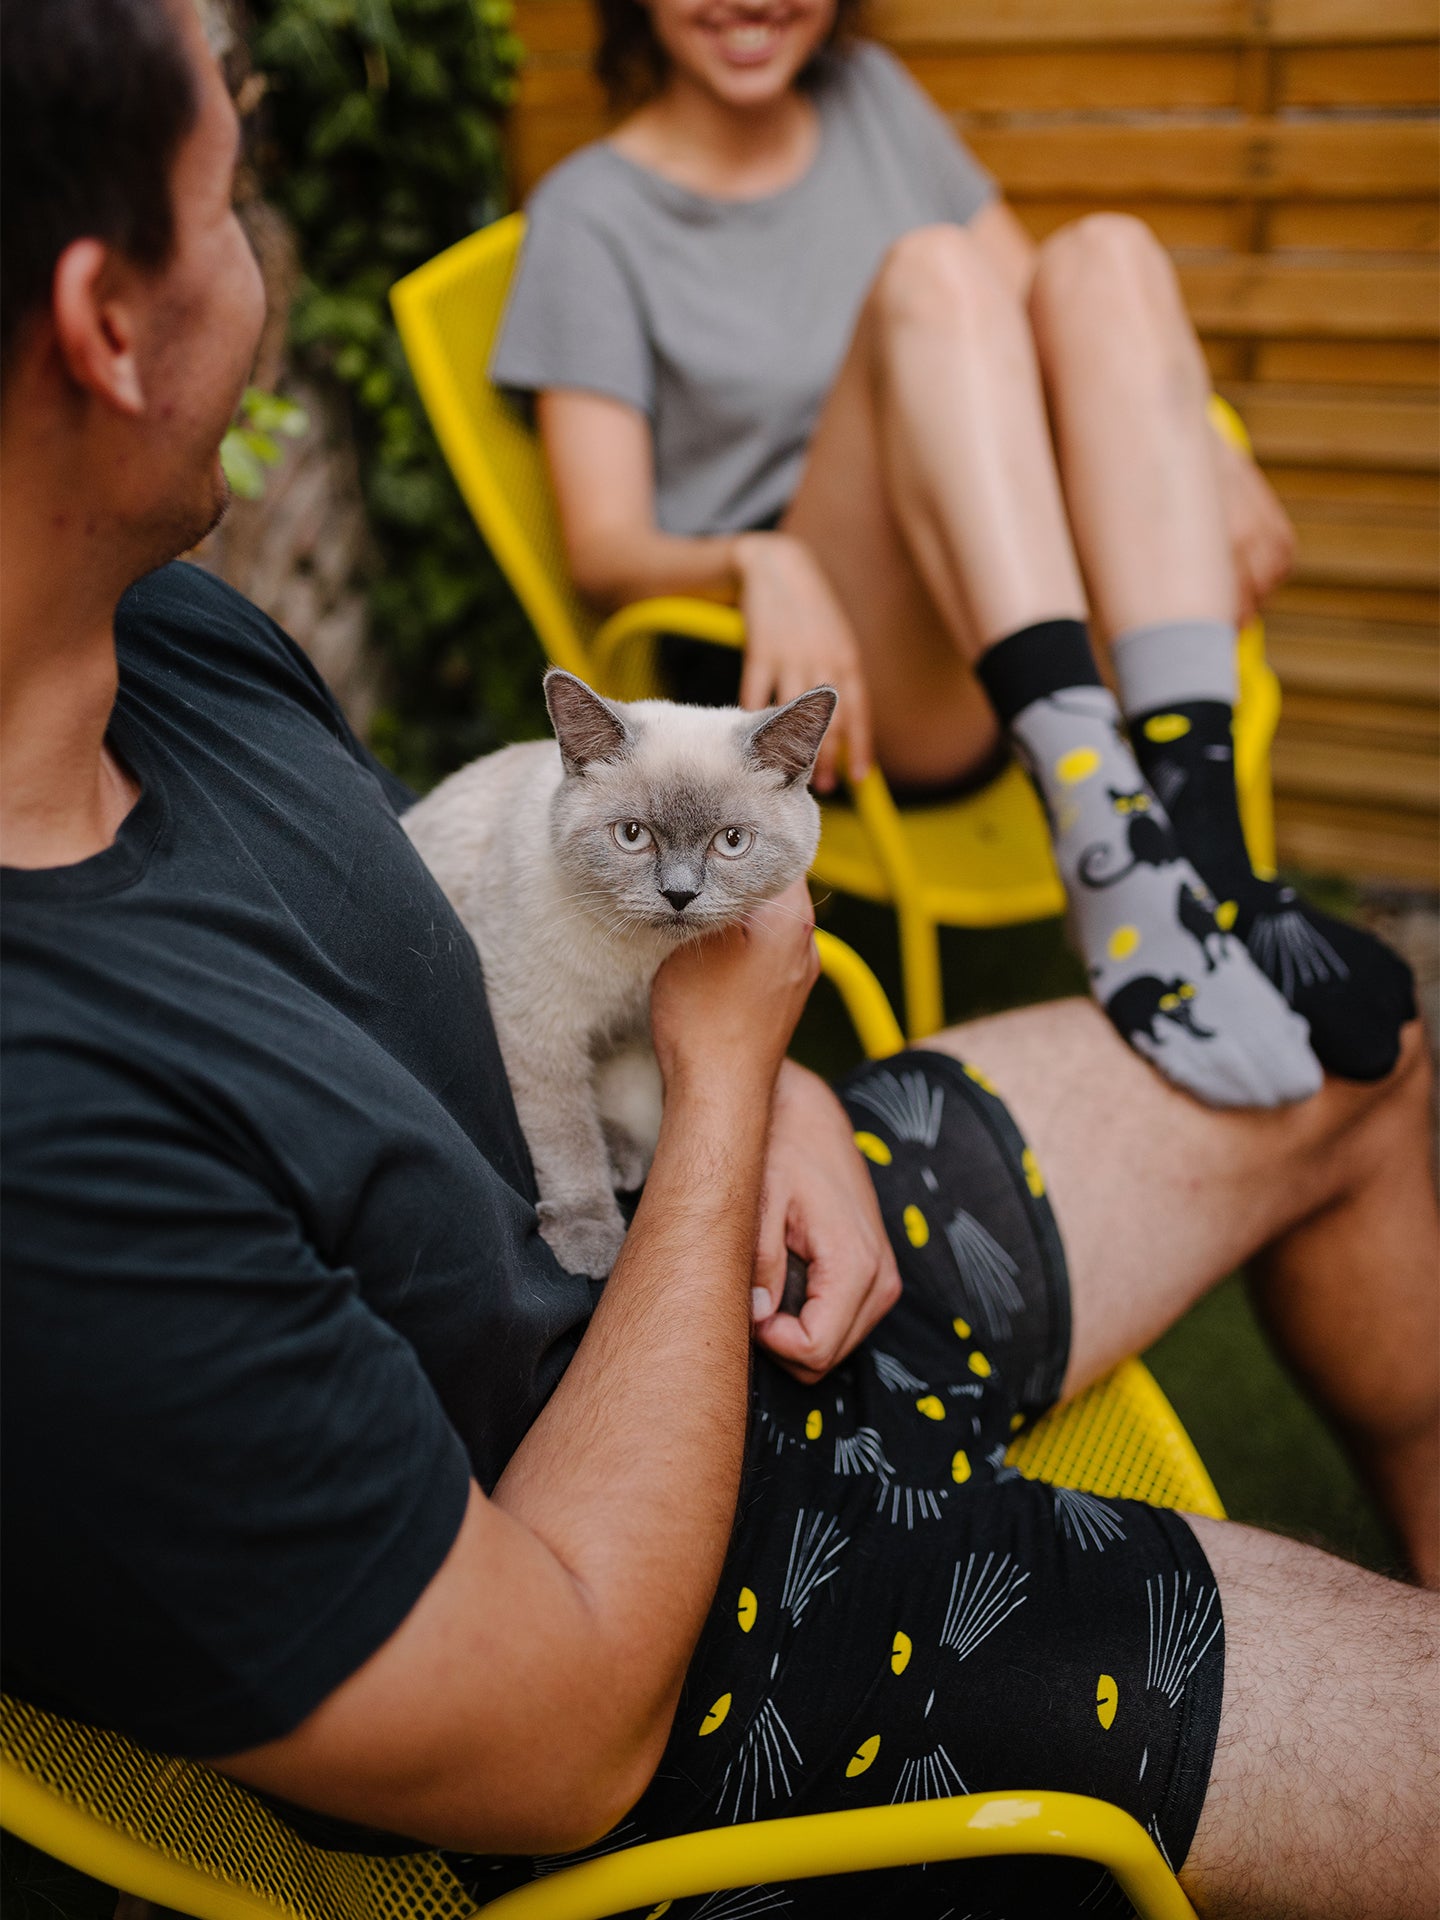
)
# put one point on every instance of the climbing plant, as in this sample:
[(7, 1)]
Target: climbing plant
[(378, 137)]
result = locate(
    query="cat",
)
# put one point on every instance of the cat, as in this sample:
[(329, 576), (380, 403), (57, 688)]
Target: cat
[(1135, 1008), (1151, 842), (576, 866)]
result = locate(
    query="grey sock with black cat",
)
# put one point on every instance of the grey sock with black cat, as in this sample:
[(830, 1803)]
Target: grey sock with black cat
[(1176, 986), (1178, 683)]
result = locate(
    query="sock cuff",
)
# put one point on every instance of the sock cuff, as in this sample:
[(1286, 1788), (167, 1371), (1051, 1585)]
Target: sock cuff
[(1025, 666), (1174, 661)]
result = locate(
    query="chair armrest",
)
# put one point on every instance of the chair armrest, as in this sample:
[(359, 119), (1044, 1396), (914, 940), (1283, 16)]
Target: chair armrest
[(870, 1012), (975, 1826), (629, 675)]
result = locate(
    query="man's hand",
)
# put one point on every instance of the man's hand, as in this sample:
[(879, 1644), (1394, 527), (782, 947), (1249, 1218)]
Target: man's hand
[(726, 1006), (797, 637), (1262, 539), (819, 1202)]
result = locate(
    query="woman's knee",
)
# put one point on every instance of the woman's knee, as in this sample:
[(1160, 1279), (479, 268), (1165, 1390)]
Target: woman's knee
[(938, 279), (1105, 277)]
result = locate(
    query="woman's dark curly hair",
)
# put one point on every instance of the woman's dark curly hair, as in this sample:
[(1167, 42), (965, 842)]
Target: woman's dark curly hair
[(631, 64)]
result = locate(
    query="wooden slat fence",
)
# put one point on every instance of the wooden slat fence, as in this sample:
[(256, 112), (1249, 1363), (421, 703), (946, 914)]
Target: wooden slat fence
[(1288, 154)]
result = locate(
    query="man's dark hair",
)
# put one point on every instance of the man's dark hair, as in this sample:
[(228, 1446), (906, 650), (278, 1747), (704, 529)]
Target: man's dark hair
[(630, 62), (95, 98)]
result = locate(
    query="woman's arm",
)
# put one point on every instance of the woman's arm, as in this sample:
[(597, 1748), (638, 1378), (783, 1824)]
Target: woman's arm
[(524, 1703), (601, 466)]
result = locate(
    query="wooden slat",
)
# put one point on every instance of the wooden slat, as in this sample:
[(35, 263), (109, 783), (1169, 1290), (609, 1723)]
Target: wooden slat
[(1407, 605), (1358, 488), (960, 23), (1365, 552), (1380, 724), (543, 89), (1362, 226), (1331, 768), (1354, 658), (1375, 842), (1251, 295), (1266, 159), (1083, 80), (1395, 76), (1326, 427), (554, 26), (1399, 363)]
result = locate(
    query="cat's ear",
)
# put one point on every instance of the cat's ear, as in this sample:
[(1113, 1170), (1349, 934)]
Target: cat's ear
[(789, 738), (587, 727)]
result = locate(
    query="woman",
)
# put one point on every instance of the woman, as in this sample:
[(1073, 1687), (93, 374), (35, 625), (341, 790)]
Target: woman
[(788, 346)]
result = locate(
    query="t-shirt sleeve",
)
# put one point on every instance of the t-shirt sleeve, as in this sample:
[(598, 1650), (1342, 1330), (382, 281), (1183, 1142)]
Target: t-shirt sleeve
[(939, 158), (226, 1479), (573, 318)]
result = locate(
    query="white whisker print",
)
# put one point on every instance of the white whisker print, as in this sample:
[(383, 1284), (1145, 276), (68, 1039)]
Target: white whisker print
[(812, 1556), (1181, 1631), (981, 1602), (909, 1105), (627, 1834), (1293, 952), (894, 1377), (1169, 781), (1086, 1519), (996, 1460), (1102, 1893), (919, 1503), (988, 1274), (862, 1452), (739, 1903), (760, 1767), (1153, 1829), (934, 1776)]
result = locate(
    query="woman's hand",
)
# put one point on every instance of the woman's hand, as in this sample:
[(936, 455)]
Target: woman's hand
[(1262, 539), (797, 637), (820, 1203), (726, 1005)]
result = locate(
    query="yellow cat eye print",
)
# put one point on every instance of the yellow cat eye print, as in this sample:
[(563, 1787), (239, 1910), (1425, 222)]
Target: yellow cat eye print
[(900, 1653), (814, 1423), (1169, 1002), (1123, 942), (1187, 992), (863, 1757), (980, 1079), (1225, 914), (1107, 1698), (1017, 1420), (1030, 1167), (874, 1149), (1077, 765), (917, 1227), (655, 1912), (1166, 726), (716, 1716), (960, 1468), (980, 1366), (748, 1608), (962, 1328), (931, 1407), (1141, 803)]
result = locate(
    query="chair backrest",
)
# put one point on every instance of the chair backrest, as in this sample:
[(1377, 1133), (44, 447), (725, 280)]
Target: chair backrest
[(448, 313)]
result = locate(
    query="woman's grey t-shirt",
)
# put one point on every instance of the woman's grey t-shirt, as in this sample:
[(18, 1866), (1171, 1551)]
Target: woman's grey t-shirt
[(725, 321)]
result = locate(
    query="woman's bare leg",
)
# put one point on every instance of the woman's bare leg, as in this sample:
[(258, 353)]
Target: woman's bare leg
[(1158, 1198)]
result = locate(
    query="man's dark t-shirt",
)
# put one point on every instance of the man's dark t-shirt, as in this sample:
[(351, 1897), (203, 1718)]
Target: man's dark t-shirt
[(273, 1284)]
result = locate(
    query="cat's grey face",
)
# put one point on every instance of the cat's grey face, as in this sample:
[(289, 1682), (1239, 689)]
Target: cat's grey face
[(679, 819)]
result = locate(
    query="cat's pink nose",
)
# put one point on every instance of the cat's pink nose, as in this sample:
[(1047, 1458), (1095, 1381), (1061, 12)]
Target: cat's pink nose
[(679, 897)]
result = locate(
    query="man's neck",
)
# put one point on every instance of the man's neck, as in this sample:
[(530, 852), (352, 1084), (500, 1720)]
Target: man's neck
[(62, 795)]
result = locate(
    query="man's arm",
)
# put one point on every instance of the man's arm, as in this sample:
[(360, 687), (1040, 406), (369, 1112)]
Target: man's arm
[(524, 1703)]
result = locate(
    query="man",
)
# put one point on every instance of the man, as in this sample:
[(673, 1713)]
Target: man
[(319, 1467)]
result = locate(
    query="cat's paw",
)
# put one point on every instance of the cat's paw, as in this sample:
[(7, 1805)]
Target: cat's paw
[(584, 1238), (629, 1158)]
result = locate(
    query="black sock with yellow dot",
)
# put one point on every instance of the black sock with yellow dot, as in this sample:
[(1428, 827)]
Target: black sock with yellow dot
[(1354, 992)]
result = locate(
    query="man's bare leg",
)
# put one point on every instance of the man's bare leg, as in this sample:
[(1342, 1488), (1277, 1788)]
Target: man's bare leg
[(1158, 1198)]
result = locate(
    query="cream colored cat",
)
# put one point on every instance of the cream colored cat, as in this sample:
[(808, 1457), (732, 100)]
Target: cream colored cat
[(577, 866)]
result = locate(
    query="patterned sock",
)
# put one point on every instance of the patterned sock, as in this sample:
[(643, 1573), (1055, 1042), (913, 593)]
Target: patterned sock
[(1176, 987), (1177, 681)]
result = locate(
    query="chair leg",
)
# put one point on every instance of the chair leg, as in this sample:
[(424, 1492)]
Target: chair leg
[(920, 971)]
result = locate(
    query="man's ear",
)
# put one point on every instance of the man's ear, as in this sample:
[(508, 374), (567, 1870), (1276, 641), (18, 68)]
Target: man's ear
[(587, 727), (789, 738), (95, 324)]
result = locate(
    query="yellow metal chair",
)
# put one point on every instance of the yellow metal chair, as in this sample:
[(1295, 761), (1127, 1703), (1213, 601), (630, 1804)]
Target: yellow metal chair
[(173, 1832), (979, 862)]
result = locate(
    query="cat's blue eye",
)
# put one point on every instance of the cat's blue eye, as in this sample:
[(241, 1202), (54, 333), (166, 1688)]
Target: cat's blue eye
[(733, 841), (631, 836)]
